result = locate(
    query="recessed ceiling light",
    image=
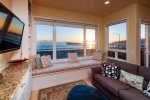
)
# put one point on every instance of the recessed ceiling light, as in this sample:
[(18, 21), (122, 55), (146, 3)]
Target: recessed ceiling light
[(107, 2)]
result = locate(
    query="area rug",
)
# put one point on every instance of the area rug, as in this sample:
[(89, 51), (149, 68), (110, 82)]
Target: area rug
[(58, 92)]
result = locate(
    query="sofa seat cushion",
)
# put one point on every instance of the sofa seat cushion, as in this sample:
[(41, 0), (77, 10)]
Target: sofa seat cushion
[(132, 94), (114, 86), (89, 62)]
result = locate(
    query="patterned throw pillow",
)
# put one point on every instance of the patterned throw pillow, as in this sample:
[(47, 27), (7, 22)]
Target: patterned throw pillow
[(46, 61), (147, 92), (131, 79), (97, 56), (115, 72), (110, 70), (72, 57)]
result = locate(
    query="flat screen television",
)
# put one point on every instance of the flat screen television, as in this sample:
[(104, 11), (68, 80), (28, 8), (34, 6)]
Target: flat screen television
[(11, 30)]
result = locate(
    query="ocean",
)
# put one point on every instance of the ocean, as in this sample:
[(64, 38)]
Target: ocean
[(62, 49)]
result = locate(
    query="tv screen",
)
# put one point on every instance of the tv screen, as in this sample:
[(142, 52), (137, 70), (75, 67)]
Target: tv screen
[(3, 17), (11, 30)]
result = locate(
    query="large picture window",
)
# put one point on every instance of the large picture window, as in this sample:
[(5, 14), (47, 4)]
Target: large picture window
[(117, 40), (59, 39), (90, 41), (44, 42), (69, 40)]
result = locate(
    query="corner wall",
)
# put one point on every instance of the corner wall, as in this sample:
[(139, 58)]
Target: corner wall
[(6, 56), (129, 13), (20, 8)]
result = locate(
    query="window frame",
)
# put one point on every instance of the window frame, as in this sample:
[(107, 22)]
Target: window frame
[(84, 26), (117, 50)]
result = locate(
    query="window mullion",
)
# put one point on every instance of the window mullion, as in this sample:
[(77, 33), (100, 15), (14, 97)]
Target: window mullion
[(54, 42), (84, 44), (97, 39)]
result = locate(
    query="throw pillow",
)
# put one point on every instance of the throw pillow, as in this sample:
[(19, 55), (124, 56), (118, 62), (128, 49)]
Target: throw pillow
[(97, 56), (110, 70), (115, 72), (38, 61), (131, 79), (46, 61), (72, 57), (147, 91), (107, 70)]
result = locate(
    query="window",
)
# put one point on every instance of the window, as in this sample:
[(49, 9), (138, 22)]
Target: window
[(117, 34), (143, 45), (69, 40), (44, 43), (90, 42), (59, 39)]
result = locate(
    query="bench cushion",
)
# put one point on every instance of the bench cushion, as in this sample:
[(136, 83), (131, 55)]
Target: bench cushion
[(89, 62), (65, 66)]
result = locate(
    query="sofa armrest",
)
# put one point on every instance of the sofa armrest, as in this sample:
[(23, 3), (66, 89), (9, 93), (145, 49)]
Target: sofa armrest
[(96, 70)]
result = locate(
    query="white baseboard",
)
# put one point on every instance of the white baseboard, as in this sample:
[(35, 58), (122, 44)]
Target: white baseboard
[(50, 80)]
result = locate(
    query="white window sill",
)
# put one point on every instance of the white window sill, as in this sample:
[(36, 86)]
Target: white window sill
[(117, 59), (66, 60)]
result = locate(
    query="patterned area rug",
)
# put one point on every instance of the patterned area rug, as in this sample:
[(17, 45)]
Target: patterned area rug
[(58, 92)]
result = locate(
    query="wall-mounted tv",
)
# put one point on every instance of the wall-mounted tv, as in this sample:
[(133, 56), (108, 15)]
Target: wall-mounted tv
[(11, 30)]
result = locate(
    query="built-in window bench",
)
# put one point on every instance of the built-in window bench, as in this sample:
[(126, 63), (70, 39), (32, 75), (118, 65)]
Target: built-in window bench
[(62, 73)]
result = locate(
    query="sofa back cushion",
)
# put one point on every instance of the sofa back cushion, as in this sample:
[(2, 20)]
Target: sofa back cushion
[(131, 68), (145, 72)]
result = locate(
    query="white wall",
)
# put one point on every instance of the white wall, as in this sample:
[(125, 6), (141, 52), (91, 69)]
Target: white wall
[(20, 8)]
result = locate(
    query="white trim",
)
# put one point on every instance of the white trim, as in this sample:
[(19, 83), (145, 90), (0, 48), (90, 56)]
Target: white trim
[(80, 22), (147, 52), (98, 38), (127, 40), (147, 45), (84, 27), (117, 50), (54, 42), (66, 60), (84, 41), (139, 31), (117, 59)]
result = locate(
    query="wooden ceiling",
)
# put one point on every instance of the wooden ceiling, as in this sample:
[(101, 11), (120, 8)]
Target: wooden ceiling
[(94, 7)]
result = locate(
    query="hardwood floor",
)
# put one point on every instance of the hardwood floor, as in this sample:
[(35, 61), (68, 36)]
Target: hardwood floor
[(34, 94)]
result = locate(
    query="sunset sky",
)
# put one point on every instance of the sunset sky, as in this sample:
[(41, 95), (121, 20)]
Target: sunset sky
[(69, 34), (16, 26), (3, 17), (142, 31), (117, 29), (64, 34)]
